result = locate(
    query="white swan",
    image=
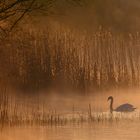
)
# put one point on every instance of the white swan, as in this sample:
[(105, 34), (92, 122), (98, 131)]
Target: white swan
[(122, 108)]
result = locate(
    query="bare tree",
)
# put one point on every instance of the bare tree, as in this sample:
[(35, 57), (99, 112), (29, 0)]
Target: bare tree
[(12, 11)]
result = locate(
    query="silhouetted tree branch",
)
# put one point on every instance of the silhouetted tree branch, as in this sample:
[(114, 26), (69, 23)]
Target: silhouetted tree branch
[(12, 11)]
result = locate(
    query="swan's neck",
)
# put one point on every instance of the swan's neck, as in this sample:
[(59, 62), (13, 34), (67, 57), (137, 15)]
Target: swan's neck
[(111, 106)]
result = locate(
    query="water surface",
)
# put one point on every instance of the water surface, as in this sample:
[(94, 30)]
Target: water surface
[(94, 131)]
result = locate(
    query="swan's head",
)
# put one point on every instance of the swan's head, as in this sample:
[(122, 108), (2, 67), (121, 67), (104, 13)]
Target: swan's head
[(110, 98)]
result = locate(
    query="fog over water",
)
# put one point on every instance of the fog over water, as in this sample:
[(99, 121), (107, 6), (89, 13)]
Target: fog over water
[(111, 130), (58, 72)]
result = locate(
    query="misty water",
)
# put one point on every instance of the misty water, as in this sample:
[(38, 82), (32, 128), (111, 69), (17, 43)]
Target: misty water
[(126, 128), (96, 131)]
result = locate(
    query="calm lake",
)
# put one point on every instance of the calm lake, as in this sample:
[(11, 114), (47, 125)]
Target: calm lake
[(127, 128), (95, 131)]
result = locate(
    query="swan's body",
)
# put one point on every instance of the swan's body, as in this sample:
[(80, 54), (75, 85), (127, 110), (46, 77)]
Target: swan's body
[(122, 108)]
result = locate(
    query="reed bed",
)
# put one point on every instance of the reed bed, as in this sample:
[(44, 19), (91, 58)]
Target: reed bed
[(36, 59), (15, 111), (65, 59)]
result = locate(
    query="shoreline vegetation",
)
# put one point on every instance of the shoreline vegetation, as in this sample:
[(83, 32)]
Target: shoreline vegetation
[(34, 59), (21, 110), (63, 59)]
